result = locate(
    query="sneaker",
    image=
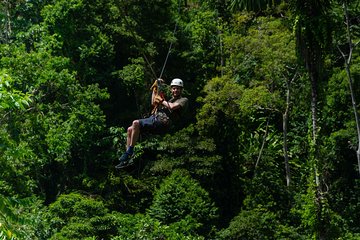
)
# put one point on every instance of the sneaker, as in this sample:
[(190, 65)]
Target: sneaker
[(125, 161), (124, 164), (125, 157)]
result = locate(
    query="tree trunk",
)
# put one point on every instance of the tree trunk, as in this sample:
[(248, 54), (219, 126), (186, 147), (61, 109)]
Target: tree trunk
[(285, 129), (263, 143), (7, 24), (347, 61), (348, 72), (314, 126), (353, 100), (285, 146)]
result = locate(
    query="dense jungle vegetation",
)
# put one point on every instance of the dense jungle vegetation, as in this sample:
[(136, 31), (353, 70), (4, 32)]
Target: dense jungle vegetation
[(269, 148)]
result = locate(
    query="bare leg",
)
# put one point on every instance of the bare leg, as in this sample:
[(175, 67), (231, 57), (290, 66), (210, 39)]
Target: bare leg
[(128, 138), (133, 134)]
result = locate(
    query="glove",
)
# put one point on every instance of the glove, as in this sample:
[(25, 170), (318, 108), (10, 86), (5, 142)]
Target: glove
[(156, 83), (154, 86), (158, 99)]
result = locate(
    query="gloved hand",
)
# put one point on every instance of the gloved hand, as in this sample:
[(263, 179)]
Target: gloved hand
[(154, 86), (156, 83), (158, 99)]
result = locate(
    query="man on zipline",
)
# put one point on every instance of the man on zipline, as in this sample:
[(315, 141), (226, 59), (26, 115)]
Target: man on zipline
[(163, 114)]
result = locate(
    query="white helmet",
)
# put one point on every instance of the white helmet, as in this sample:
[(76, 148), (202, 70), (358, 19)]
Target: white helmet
[(177, 82)]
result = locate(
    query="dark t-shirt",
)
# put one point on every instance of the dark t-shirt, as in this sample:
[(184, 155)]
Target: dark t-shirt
[(177, 114)]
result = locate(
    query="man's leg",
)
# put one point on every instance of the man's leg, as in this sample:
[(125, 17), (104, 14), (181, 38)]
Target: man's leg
[(133, 133)]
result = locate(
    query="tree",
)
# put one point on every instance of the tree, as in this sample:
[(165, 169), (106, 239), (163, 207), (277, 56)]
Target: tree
[(347, 62), (12, 102), (78, 216), (258, 223), (21, 218), (17, 16), (342, 143), (180, 197), (63, 117), (75, 73), (139, 226), (252, 5), (11, 98), (313, 37)]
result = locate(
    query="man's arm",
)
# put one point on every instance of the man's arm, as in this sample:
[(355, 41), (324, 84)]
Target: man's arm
[(171, 106), (175, 105)]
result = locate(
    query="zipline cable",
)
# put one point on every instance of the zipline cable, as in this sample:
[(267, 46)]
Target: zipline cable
[(136, 40), (138, 44), (123, 9), (168, 53), (171, 43)]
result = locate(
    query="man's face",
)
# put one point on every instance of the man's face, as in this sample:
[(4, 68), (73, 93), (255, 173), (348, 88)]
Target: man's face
[(176, 91)]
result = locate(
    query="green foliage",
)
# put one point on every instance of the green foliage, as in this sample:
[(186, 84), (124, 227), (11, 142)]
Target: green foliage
[(133, 74), (133, 227), (75, 73), (13, 157), (257, 5), (188, 150), (261, 49), (251, 62), (5, 217), (221, 96), (338, 97), (258, 223), (241, 111), (13, 102), (266, 188), (21, 219), (10, 97), (199, 47), (75, 216), (63, 116), (202, 23), (88, 44), (226, 99), (180, 197), (315, 213)]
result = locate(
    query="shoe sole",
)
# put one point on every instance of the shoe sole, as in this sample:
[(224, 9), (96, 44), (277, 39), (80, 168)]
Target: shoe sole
[(124, 166)]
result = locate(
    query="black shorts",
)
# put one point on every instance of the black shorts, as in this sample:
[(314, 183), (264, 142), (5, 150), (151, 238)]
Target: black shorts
[(153, 124)]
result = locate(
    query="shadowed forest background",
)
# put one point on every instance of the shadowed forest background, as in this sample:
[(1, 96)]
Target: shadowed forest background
[(269, 149)]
